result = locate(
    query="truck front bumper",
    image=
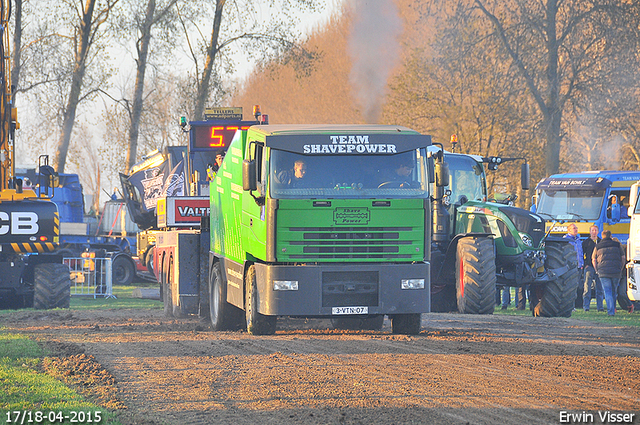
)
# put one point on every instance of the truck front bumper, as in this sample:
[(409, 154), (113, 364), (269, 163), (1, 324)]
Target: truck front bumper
[(334, 290)]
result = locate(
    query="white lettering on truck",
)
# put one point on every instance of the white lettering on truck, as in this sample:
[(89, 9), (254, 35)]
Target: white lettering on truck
[(349, 145), (193, 212), (21, 223)]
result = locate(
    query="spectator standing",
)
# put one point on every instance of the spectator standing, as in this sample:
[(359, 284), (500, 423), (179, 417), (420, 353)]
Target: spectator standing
[(506, 296), (522, 292), (607, 261), (574, 239), (623, 299), (591, 279)]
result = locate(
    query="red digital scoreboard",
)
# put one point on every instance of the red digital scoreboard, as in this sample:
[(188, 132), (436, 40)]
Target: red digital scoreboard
[(214, 136)]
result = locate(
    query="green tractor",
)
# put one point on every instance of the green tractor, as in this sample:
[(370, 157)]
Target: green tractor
[(480, 243)]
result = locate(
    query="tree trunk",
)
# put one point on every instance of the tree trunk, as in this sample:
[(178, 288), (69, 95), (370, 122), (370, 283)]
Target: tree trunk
[(549, 103), (82, 49), (553, 117), (552, 142), (136, 112), (212, 50), (17, 49)]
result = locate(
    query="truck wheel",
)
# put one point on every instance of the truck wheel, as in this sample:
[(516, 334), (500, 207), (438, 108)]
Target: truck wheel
[(52, 286), (476, 276), (257, 324), (369, 323), (122, 271), (149, 260), (558, 296), (224, 316), (406, 324), (167, 277)]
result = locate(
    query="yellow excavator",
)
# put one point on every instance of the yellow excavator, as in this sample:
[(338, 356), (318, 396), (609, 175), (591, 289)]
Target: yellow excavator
[(30, 274)]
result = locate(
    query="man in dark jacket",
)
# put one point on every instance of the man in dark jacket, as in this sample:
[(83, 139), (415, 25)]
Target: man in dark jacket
[(574, 239), (591, 279), (607, 261)]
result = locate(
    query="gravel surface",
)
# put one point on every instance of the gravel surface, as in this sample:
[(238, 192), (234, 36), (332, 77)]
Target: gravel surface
[(460, 369)]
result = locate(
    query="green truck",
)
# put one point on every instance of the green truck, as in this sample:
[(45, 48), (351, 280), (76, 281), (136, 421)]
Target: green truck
[(346, 222), (321, 221)]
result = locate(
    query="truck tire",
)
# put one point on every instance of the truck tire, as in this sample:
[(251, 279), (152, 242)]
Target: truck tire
[(369, 323), (178, 309), (167, 277), (122, 271), (52, 286), (623, 299), (406, 324), (149, 260), (257, 324), (476, 275), (224, 316), (557, 299)]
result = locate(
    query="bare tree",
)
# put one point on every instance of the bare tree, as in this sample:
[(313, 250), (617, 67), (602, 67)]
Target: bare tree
[(85, 33), (88, 166), (145, 19), (559, 48), (17, 45), (238, 22)]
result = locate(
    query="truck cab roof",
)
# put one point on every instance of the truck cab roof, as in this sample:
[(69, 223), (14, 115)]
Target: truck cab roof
[(304, 129), (599, 178), (353, 139)]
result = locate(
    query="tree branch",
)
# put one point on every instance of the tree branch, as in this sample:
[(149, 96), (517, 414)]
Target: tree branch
[(514, 56)]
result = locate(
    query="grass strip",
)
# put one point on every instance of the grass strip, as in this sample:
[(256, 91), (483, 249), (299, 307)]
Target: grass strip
[(27, 394), (622, 317)]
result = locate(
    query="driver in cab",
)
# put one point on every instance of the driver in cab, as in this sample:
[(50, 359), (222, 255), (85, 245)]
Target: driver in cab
[(293, 178), (399, 175)]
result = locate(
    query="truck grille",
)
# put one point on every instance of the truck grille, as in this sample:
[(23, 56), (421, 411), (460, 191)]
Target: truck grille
[(357, 243), (356, 288)]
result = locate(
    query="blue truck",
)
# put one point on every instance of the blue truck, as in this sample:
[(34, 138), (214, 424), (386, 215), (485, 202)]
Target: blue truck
[(108, 235), (598, 198)]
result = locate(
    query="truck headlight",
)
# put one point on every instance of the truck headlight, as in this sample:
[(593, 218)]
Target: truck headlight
[(412, 284), (285, 285)]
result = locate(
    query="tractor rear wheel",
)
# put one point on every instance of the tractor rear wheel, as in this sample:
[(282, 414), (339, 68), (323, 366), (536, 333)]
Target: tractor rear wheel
[(52, 286), (476, 275), (557, 298)]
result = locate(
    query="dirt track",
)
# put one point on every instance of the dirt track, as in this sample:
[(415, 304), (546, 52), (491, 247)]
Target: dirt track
[(460, 369)]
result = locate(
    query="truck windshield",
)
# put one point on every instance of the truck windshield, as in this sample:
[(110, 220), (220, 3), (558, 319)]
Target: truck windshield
[(402, 175), (570, 204), (466, 177)]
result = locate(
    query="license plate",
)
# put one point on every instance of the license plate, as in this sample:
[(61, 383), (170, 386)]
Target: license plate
[(350, 310)]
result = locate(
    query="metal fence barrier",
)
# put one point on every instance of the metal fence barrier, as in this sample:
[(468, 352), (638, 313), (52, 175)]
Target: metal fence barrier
[(90, 276)]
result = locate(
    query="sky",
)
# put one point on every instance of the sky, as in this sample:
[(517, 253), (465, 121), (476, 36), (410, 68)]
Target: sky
[(125, 64), (244, 64), (308, 22)]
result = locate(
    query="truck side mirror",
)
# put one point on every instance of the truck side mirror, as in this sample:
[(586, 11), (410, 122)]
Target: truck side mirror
[(442, 174), (249, 180), (525, 177), (633, 198)]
